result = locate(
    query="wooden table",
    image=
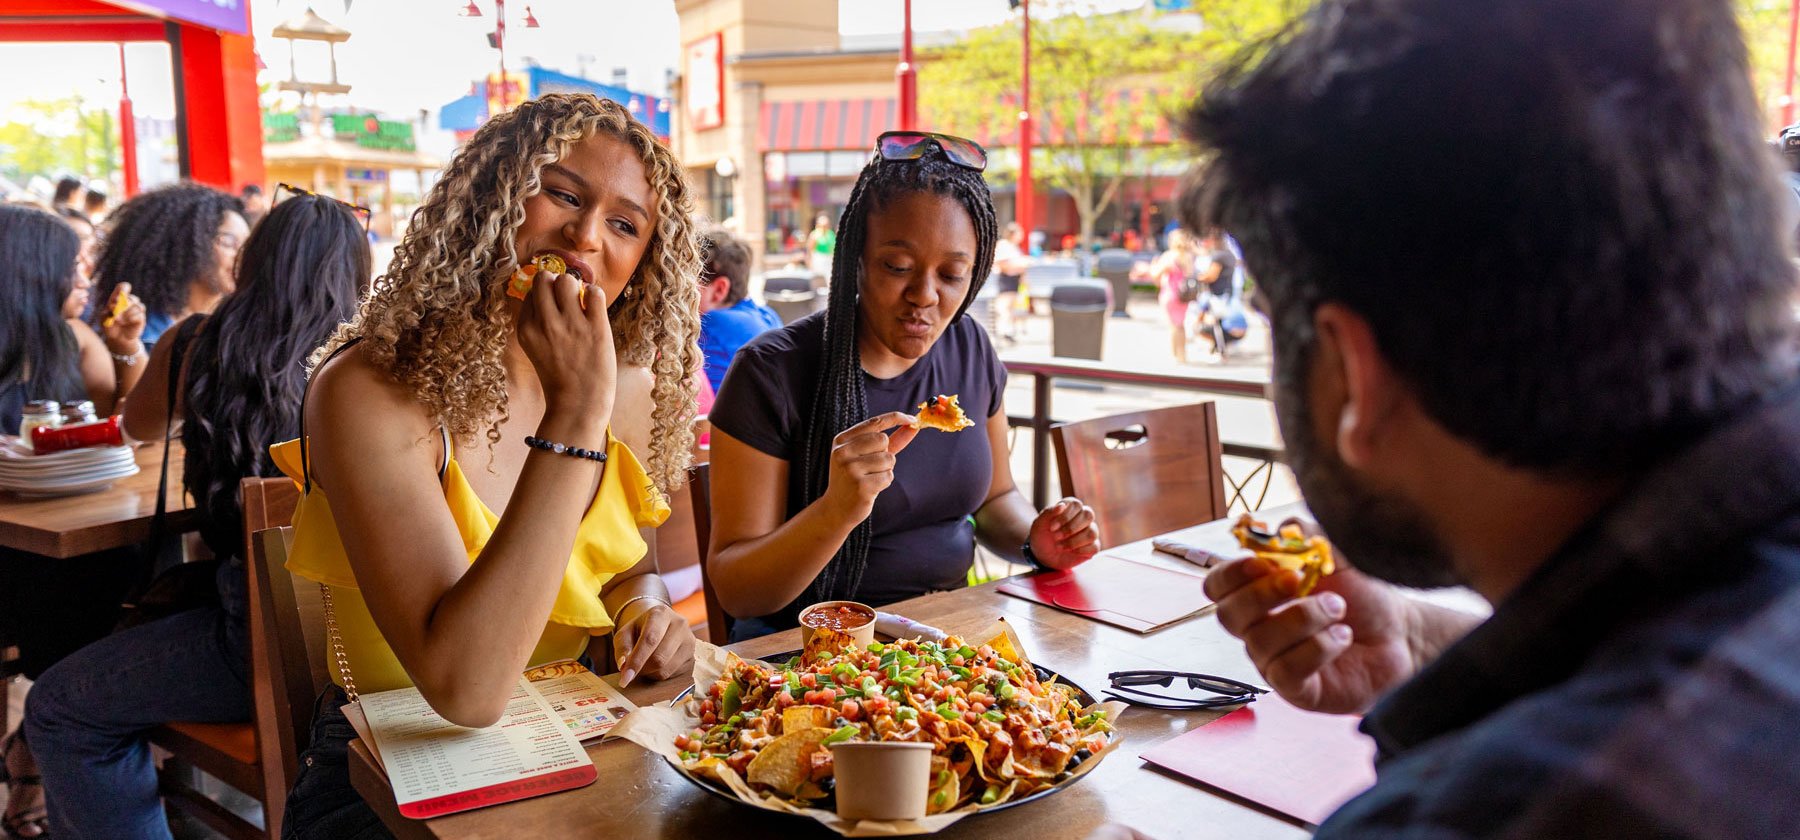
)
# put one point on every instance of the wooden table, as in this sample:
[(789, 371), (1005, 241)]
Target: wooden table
[(112, 518), (638, 795)]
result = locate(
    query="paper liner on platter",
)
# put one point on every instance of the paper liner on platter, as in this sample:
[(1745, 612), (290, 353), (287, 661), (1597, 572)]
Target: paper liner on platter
[(654, 728)]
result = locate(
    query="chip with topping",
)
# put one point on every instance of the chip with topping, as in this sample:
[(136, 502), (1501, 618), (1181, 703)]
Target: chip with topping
[(944, 414)]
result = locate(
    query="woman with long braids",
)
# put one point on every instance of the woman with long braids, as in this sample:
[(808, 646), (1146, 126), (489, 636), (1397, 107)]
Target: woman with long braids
[(487, 506), (176, 246), (239, 374), (812, 498)]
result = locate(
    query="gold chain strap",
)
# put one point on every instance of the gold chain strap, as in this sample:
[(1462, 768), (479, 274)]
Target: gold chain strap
[(337, 643)]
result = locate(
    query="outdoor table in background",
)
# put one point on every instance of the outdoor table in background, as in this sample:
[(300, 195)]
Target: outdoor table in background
[(639, 795), (116, 517)]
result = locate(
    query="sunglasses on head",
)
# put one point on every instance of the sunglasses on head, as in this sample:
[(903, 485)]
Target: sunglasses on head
[(912, 145), (285, 191)]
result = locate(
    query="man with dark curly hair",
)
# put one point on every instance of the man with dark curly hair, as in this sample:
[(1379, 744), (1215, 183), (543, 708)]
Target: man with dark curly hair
[(1528, 274), (177, 246)]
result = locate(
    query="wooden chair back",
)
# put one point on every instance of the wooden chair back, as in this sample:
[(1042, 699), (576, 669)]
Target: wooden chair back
[(243, 755), (1145, 472), (678, 547), (700, 491)]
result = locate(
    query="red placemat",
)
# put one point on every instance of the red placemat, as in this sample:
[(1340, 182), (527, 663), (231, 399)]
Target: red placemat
[(1120, 592), (1303, 764)]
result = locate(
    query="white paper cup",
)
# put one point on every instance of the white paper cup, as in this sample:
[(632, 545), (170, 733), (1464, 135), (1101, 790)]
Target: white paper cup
[(864, 633), (882, 780)]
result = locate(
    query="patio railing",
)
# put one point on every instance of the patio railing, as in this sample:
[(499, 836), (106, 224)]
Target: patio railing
[(1044, 372)]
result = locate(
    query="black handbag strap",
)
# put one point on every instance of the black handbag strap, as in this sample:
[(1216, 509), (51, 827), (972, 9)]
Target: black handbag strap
[(306, 460), (184, 335)]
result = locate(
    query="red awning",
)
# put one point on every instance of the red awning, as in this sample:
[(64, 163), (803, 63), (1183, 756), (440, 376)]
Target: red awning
[(825, 124)]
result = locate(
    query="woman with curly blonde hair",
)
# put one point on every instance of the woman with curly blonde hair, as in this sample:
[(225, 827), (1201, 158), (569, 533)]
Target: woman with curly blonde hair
[(488, 510)]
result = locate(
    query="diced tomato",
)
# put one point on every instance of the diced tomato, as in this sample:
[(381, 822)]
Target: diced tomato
[(827, 696), (809, 680), (818, 765), (709, 719), (956, 659), (977, 707), (852, 710)]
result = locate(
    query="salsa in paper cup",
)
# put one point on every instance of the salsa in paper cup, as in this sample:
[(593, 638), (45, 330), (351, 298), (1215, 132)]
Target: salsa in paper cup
[(849, 617)]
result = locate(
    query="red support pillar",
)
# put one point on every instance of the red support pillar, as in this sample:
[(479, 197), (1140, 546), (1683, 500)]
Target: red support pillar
[(127, 130), (221, 117), (1023, 213), (908, 75)]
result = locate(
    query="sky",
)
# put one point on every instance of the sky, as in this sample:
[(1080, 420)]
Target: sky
[(405, 55)]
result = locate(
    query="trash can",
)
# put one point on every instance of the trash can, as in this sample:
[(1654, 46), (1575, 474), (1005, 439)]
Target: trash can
[(1114, 265), (793, 305), (787, 283), (1078, 318)]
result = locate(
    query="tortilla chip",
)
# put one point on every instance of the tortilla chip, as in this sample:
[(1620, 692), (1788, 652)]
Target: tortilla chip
[(945, 793), (797, 718), (1006, 643), (944, 414), (782, 764), (831, 641)]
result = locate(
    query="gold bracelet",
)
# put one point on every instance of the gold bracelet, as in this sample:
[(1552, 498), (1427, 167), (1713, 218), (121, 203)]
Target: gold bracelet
[(620, 612)]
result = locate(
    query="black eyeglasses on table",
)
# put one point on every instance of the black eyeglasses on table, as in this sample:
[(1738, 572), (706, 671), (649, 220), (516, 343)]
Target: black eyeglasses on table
[(285, 191), (1130, 686)]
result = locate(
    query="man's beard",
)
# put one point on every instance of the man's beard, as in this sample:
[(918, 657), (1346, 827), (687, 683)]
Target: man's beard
[(1383, 535)]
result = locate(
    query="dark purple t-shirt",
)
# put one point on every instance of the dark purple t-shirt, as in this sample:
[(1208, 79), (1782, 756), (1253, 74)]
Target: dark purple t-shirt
[(924, 540)]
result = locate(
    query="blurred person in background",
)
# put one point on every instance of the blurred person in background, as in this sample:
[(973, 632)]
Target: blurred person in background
[(256, 204), (176, 246), (93, 205), (238, 375), (821, 243), (45, 354), (68, 190), (1010, 264), (729, 317), (1176, 289)]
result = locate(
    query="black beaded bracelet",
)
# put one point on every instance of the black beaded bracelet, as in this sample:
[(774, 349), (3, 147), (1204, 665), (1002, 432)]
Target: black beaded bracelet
[(560, 449)]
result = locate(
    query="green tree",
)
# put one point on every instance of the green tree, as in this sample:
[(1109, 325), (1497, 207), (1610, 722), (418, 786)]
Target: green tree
[(1765, 24), (53, 137), (1088, 141)]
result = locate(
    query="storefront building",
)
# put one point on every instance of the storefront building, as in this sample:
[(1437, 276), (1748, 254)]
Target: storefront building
[(775, 117), (218, 130)]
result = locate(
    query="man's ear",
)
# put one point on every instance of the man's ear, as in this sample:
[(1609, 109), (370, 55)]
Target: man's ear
[(716, 291), (1356, 379)]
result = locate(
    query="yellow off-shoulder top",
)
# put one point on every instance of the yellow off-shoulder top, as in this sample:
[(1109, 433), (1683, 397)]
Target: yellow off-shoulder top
[(607, 544)]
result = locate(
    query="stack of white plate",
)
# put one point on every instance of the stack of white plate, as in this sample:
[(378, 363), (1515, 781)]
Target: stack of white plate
[(63, 473)]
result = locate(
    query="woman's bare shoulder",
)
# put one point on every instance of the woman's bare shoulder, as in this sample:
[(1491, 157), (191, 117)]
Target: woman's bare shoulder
[(351, 394), (634, 407)]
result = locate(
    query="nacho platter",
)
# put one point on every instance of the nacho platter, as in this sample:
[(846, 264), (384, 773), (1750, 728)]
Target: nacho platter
[(1005, 731)]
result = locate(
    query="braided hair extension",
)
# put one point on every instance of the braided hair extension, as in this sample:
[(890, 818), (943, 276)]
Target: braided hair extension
[(160, 242), (839, 401)]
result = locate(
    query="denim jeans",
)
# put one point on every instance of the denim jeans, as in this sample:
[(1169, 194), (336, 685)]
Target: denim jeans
[(322, 804), (85, 718)]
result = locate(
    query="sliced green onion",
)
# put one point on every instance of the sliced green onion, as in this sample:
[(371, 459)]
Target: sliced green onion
[(842, 733)]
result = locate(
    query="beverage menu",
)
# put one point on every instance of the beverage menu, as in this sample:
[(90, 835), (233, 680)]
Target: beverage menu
[(437, 767)]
